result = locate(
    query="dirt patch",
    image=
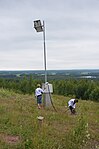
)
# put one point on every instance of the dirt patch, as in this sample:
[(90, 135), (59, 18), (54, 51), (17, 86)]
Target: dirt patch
[(10, 139), (91, 144)]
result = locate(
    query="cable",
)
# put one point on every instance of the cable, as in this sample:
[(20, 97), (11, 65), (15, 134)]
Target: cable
[(51, 98)]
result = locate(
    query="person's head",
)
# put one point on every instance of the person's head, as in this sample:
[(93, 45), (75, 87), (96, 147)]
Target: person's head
[(38, 85), (76, 100)]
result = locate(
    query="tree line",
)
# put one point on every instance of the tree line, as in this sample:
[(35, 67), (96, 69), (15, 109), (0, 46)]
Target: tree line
[(84, 89), (80, 88)]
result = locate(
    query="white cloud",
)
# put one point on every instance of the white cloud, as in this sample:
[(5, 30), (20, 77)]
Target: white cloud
[(72, 34)]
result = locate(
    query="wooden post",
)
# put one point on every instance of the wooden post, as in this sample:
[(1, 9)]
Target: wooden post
[(40, 120)]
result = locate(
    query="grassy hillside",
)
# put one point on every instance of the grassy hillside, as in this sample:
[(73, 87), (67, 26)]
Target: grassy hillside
[(20, 128)]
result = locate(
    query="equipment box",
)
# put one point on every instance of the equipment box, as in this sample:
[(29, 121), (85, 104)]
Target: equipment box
[(48, 88)]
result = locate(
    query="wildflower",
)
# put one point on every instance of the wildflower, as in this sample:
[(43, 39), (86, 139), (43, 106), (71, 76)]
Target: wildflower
[(88, 136)]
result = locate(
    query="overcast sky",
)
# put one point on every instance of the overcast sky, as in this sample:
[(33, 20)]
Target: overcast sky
[(72, 34)]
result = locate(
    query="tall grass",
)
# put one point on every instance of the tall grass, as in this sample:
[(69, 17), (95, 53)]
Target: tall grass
[(58, 130)]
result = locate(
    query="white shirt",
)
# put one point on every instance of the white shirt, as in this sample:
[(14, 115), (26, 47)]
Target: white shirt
[(71, 103), (38, 91)]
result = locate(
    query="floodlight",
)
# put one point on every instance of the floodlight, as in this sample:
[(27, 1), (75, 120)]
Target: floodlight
[(38, 26)]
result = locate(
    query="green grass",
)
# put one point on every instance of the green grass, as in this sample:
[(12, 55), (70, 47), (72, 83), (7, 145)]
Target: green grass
[(20, 128)]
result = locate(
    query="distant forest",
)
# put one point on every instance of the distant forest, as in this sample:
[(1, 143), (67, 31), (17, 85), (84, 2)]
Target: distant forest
[(63, 84), (52, 74)]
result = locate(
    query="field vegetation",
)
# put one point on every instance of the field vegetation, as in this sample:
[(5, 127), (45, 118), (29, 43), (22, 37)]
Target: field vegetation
[(21, 129), (85, 89)]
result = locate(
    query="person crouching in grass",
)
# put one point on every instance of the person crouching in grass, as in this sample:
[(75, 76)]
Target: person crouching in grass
[(72, 105)]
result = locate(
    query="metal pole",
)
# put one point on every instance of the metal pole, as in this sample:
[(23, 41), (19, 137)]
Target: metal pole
[(44, 52)]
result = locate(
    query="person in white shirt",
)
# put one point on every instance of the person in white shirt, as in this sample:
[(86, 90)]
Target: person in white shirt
[(72, 105), (38, 93)]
